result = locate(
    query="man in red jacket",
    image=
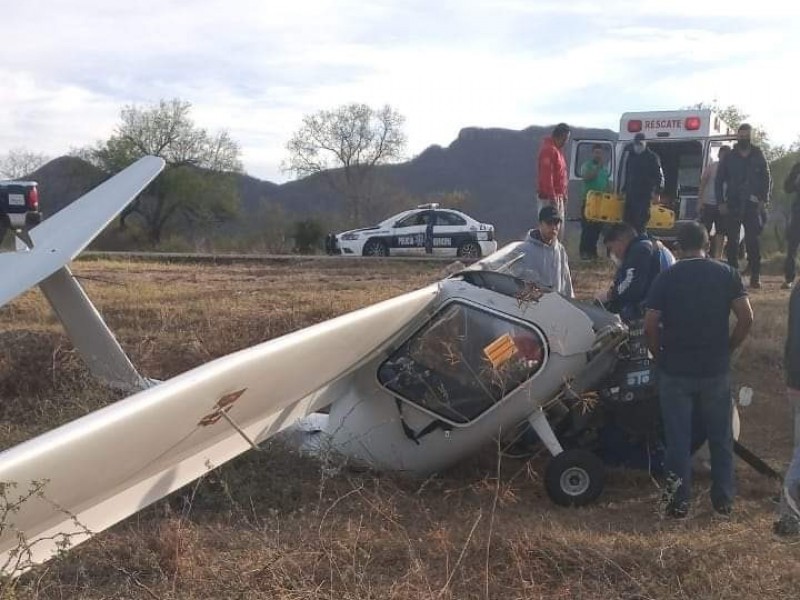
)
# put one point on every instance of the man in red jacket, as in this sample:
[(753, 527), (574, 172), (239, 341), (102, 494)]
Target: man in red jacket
[(551, 187)]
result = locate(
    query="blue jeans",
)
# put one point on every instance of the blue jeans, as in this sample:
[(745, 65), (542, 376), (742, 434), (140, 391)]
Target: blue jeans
[(790, 498), (710, 399)]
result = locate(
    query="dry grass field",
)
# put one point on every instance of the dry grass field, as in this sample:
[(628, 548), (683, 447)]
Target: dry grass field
[(272, 524)]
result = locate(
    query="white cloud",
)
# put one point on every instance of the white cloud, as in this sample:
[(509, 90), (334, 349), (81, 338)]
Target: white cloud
[(255, 68)]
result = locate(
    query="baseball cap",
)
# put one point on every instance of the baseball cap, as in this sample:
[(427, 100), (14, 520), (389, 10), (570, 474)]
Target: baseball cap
[(639, 137), (549, 214)]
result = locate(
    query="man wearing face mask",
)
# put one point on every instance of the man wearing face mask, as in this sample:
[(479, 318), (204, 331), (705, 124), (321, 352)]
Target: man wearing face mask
[(595, 179), (644, 180), (743, 185), (639, 259)]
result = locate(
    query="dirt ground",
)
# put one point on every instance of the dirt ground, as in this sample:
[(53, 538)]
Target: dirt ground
[(272, 524)]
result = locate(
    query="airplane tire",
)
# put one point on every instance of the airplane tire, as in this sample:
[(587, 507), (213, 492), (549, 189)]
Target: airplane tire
[(574, 478)]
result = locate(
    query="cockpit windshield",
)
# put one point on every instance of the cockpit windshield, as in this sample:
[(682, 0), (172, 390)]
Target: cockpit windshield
[(463, 362)]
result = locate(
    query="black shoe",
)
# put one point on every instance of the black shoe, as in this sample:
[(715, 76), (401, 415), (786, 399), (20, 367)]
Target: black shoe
[(723, 510), (755, 284), (677, 510)]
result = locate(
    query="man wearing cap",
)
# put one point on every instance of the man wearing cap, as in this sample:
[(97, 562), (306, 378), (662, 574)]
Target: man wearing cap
[(743, 184), (552, 181), (545, 258), (644, 180)]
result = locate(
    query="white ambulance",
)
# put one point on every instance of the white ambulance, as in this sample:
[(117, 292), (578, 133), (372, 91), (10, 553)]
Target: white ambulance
[(685, 141)]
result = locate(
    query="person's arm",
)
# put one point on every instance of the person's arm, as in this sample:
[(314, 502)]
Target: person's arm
[(630, 286), (792, 349), (566, 276), (719, 186), (658, 174), (744, 321), (545, 174), (766, 180), (703, 182), (589, 171), (652, 330)]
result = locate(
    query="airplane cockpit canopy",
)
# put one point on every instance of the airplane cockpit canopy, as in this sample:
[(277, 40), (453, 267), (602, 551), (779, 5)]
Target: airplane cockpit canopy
[(463, 362)]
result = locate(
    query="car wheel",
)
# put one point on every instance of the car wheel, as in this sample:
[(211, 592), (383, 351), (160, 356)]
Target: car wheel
[(469, 250), (375, 248), (574, 478)]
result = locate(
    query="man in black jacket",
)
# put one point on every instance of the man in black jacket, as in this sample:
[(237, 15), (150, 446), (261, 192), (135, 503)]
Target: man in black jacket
[(644, 179), (745, 172), (792, 186), (638, 261)]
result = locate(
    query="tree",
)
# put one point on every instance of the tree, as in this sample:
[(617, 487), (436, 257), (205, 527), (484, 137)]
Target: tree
[(19, 162), (197, 185), (735, 116), (345, 146)]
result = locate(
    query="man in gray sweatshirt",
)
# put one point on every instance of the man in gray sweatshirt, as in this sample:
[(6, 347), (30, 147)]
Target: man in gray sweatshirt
[(545, 258)]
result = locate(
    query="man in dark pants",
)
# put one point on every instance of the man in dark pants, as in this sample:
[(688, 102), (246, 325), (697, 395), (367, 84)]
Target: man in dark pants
[(686, 325), (595, 177), (792, 186), (745, 172), (644, 180)]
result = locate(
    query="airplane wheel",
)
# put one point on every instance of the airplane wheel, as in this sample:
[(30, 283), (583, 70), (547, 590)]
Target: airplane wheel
[(574, 478)]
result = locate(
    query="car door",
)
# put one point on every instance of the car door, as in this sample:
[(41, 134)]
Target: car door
[(408, 237), (449, 232)]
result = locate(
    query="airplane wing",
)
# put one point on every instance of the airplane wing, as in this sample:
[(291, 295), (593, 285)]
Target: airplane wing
[(107, 465), (59, 239)]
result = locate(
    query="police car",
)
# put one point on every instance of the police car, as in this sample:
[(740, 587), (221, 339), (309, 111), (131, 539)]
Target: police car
[(425, 230)]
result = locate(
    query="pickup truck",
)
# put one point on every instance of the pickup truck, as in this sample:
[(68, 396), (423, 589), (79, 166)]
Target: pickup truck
[(19, 206)]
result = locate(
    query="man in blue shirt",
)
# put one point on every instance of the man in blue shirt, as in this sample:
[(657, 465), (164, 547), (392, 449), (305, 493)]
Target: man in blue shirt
[(686, 325), (639, 259)]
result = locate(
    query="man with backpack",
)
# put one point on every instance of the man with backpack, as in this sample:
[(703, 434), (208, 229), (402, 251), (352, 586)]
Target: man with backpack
[(639, 259), (792, 186)]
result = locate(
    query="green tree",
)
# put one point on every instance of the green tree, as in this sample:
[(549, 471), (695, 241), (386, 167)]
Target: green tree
[(345, 146), (308, 236), (197, 186), (735, 116)]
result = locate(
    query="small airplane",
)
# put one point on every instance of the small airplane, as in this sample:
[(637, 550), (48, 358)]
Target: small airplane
[(412, 384)]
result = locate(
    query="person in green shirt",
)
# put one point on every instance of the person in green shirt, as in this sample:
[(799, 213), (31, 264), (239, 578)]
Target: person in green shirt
[(595, 179)]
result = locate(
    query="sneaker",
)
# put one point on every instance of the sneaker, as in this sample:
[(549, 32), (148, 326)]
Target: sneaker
[(787, 285), (786, 526), (677, 510)]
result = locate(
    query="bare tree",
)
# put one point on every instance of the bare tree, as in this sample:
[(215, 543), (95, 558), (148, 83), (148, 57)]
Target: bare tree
[(345, 145), (195, 185), (19, 162)]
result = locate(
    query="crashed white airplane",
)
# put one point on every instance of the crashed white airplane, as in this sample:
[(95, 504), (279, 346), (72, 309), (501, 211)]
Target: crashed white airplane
[(412, 384)]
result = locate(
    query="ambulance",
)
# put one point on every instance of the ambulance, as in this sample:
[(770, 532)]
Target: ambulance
[(685, 141)]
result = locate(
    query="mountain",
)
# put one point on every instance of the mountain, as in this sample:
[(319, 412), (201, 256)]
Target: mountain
[(495, 168)]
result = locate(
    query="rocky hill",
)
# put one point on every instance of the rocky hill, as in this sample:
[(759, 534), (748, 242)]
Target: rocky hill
[(494, 168)]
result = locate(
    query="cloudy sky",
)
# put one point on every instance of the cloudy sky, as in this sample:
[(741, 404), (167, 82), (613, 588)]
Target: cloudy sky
[(255, 67)]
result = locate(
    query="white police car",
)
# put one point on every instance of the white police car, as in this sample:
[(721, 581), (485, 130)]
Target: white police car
[(425, 230)]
